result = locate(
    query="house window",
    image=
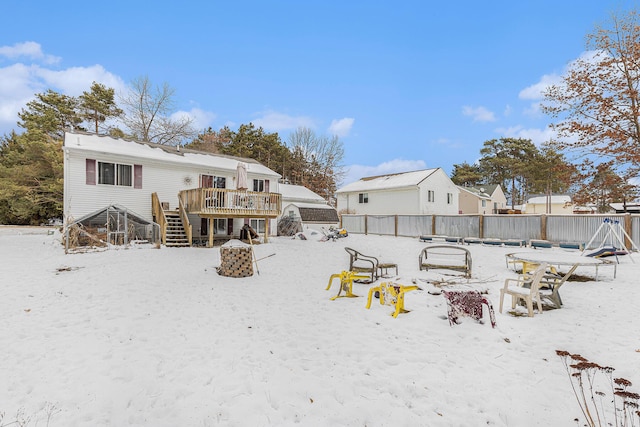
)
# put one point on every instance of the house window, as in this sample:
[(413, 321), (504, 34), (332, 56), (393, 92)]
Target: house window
[(484, 203), (449, 198), (363, 198), (292, 214), (219, 226), (258, 185), (431, 197), (257, 224), (116, 174)]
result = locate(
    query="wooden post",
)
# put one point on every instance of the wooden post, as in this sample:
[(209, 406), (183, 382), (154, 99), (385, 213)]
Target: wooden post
[(366, 224), (481, 226), (211, 231), (433, 225), (396, 226), (266, 235), (627, 229), (543, 227)]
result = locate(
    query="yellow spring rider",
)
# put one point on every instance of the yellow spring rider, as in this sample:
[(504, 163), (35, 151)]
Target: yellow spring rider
[(346, 283), (391, 294)]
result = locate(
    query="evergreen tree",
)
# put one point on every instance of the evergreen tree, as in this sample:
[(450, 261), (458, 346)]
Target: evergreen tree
[(467, 175), (50, 114), (98, 105), (31, 178)]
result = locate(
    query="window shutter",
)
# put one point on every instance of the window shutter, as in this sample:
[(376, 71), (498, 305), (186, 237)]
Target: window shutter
[(91, 171), (266, 185), (137, 176), (230, 226)]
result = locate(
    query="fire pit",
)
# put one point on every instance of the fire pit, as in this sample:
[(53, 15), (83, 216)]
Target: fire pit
[(235, 259)]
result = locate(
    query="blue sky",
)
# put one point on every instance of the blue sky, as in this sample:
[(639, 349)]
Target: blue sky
[(406, 85)]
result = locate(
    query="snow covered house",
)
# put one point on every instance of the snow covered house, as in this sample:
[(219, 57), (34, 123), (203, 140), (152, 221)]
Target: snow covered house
[(554, 204), (303, 207), (192, 195), (428, 191), (485, 199)]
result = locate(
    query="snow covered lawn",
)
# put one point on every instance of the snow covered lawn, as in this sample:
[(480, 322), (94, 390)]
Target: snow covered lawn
[(155, 337)]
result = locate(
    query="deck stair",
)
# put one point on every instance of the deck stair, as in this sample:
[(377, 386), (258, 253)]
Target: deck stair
[(176, 235)]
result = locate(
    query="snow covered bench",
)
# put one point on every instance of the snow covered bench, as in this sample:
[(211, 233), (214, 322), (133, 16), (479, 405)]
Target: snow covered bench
[(446, 257)]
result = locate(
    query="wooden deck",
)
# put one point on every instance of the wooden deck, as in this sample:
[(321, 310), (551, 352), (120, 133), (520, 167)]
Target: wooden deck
[(225, 203)]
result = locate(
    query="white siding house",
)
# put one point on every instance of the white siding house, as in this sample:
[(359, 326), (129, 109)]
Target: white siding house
[(307, 207), (100, 171), (428, 191)]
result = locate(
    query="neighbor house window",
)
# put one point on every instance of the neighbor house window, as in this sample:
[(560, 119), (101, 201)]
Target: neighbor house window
[(484, 203), (431, 196), (115, 174), (363, 198), (449, 198)]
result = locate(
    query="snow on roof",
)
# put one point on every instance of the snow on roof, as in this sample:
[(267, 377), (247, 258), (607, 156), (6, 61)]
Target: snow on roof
[(164, 153), (310, 205), (554, 199), (298, 192), (385, 182), (475, 191)]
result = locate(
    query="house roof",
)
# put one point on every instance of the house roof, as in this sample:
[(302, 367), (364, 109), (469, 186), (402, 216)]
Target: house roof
[(299, 193), (81, 141), (386, 182), (555, 199), (630, 206), (476, 192)]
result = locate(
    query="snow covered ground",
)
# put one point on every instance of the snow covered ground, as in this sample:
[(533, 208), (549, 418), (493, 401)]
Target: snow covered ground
[(155, 337)]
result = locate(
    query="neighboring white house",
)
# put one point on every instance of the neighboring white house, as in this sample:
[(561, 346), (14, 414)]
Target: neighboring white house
[(100, 171), (554, 204), (306, 207), (485, 199), (428, 191)]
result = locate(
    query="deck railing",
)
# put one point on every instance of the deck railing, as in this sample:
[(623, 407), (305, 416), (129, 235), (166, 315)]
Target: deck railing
[(160, 218), (188, 229), (222, 201)]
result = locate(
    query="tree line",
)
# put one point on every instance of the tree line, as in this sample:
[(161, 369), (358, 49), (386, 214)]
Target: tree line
[(595, 111), (31, 162)]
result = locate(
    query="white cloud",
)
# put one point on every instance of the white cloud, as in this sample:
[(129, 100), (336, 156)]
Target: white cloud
[(537, 136), (19, 82), (277, 122), (507, 111), (355, 172), (73, 81), (201, 119), (341, 127), (479, 114), (536, 91), (31, 50)]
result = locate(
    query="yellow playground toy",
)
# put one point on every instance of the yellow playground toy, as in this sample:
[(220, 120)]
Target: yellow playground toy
[(346, 283), (391, 294)]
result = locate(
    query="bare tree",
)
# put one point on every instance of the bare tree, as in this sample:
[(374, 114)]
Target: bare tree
[(148, 112), (598, 101), (319, 160)]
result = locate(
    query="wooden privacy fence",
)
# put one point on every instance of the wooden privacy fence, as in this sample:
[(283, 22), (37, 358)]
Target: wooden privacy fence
[(554, 228)]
